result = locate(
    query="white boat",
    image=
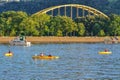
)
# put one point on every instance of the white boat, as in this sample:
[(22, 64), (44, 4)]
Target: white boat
[(111, 40), (20, 41)]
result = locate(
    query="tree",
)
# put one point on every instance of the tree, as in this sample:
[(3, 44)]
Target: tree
[(11, 21), (114, 25), (62, 24), (29, 27), (81, 29), (69, 26), (59, 33), (55, 25), (42, 21), (101, 33), (96, 29)]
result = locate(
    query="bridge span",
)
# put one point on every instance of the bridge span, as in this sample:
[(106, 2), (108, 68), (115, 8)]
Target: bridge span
[(72, 9)]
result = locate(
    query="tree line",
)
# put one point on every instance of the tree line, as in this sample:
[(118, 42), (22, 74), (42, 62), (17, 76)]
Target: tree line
[(106, 6), (13, 23)]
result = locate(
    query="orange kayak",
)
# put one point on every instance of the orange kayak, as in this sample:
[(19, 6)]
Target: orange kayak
[(45, 57)]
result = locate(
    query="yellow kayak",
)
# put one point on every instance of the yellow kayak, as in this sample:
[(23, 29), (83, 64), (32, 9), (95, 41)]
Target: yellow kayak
[(8, 54), (45, 57), (103, 52)]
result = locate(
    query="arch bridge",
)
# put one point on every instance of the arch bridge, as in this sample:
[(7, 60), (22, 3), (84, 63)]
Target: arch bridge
[(73, 10)]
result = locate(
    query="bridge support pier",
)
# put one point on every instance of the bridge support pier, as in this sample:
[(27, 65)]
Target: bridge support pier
[(65, 11), (71, 12)]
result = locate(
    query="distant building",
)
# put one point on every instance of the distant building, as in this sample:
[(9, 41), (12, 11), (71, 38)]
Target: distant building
[(14, 0), (27, 0), (9, 0)]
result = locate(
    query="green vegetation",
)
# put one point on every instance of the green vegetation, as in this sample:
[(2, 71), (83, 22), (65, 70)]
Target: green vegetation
[(12, 23), (31, 7)]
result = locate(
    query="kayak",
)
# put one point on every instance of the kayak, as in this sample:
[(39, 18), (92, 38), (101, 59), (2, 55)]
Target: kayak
[(103, 52), (45, 57), (8, 54)]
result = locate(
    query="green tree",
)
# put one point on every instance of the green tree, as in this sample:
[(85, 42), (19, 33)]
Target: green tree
[(93, 24), (114, 25), (1, 26), (29, 27), (62, 25), (11, 20), (55, 25), (42, 21), (69, 26), (101, 33), (13, 33), (81, 29), (96, 29), (59, 33)]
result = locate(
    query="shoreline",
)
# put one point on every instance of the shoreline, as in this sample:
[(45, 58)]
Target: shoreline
[(57, 39)]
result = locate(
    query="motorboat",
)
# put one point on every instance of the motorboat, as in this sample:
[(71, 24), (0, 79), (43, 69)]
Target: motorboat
[(20, 41), (111, 40)]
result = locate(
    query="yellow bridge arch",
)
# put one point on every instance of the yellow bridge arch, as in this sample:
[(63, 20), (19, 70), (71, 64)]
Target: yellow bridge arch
[(89, 9)]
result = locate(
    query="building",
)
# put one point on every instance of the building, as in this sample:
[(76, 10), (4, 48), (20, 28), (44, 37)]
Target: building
[(14, 0), (9, 0)]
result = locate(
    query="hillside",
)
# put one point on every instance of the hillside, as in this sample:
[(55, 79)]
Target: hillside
[(105, 6)]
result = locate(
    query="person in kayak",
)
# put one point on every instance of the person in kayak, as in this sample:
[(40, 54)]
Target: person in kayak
[(50, 55), (106, 50), (9, 51), (41, 54)]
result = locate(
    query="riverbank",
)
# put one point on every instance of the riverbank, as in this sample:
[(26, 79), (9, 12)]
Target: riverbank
[(58, 39)]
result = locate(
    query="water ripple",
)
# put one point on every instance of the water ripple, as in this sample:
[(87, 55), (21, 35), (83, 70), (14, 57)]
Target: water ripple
[(76, 62)]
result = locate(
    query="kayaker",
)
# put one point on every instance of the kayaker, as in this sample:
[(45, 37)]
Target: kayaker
[(41, 54), (50, 55), (9, 51), (106, 50)]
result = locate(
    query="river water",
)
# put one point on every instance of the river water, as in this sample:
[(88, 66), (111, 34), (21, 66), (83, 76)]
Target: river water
[(78, 61)]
